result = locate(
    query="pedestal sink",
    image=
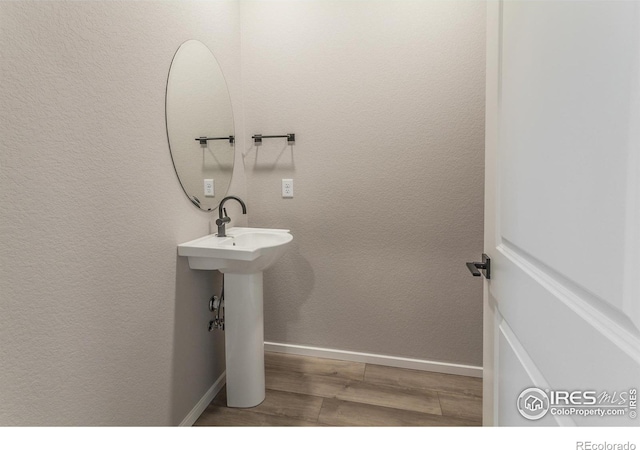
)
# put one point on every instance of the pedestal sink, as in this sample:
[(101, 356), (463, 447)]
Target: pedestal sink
[(241, 256)]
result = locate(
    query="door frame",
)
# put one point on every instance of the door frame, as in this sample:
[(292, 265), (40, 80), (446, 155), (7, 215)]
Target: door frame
[(492, 105)]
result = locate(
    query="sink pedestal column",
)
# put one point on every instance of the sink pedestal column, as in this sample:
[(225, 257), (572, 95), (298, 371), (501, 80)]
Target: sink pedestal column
[(244, 339)]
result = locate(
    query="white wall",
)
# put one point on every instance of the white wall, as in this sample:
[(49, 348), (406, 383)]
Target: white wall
[(101, 323), (387, 102)]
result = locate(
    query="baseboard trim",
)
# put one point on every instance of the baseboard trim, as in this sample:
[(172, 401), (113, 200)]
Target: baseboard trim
[(204, 401), (372, 358)]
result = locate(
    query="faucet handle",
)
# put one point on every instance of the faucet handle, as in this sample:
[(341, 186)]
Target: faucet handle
[(224, 210), (223, 220)]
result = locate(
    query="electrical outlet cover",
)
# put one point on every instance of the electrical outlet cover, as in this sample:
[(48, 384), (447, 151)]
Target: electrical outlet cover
[(287, 188)]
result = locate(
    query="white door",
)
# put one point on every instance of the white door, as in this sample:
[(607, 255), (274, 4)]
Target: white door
[(562, 228)]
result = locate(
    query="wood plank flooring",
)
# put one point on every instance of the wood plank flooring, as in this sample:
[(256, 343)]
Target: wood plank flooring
[(307, 391)]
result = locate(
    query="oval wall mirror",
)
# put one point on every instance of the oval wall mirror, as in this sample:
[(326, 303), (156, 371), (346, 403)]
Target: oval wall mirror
[(200, 126)]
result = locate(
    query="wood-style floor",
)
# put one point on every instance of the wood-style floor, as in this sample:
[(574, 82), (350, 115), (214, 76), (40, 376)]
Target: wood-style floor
[(306, 391)]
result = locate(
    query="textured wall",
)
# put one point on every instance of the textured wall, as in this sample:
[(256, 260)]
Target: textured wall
[(101, 323), (387, 102)]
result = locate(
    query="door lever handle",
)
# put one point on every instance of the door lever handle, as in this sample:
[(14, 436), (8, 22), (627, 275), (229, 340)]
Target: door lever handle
[(485, 266), (473, 269)]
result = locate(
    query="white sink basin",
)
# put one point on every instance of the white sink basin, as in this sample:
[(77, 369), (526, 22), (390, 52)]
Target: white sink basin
[(242, 255), (242, 251)]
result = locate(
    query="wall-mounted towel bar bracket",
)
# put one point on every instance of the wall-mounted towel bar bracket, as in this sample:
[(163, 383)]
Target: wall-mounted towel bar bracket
[(257, 138), (203, 140)]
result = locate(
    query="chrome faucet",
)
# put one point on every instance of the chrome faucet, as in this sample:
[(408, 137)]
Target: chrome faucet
[(223, 219)]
